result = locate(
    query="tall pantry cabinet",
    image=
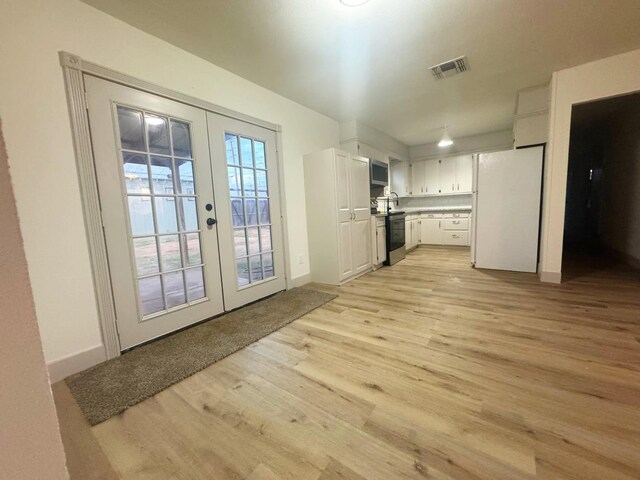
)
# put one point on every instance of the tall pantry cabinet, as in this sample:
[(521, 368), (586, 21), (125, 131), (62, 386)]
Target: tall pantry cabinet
[(338, 215)]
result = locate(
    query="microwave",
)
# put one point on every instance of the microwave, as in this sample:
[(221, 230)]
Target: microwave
[(379, 173)]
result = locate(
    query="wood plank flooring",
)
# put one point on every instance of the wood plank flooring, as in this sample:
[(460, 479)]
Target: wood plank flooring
[(428, 369)]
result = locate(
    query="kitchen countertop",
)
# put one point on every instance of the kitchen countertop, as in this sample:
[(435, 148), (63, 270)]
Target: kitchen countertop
[(411, 210)]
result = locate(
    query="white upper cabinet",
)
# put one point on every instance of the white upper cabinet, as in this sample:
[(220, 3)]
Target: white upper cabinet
[(442, 176), (400, 177), (417, 178), (431, 177), (464, 174), (448, 175)]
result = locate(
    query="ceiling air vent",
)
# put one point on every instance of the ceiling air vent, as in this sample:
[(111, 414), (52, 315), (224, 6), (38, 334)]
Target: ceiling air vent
[(450, 67)]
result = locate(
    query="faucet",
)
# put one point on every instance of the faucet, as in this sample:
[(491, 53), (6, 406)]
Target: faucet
[(397, 200)]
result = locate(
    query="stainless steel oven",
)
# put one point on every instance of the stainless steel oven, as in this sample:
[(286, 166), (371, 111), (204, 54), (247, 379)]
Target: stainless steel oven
[(394, 222)]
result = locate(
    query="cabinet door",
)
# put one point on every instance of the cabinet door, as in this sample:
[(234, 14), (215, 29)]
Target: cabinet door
[(448, 175), (407, 234), (407, 176), (430, 232), (416, 232), (464, 173), (432, 177), (361, 223), (343, 194), (381, 238), (454, 237), (417, 178), (400, 173)]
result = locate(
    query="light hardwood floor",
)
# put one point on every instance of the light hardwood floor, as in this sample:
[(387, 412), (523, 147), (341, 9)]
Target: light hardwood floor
[(428, 369)]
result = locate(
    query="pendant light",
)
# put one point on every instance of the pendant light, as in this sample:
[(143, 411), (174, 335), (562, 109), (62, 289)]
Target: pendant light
[(446, 139)]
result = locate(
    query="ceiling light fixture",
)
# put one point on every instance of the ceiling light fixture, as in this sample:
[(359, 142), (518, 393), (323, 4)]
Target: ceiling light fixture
[(353, 3), (446, 139)]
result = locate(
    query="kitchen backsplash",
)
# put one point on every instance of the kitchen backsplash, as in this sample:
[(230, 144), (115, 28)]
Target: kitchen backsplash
[(435, 201)]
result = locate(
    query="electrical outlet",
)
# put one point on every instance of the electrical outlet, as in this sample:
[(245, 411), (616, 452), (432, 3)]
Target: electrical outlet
[(301, 260)]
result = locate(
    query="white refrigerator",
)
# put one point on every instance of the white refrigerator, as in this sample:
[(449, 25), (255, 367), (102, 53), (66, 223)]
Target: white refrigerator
[(507, 189)]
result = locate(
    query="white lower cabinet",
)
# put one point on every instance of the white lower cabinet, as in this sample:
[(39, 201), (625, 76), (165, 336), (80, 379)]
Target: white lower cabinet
[(444, 229), (412, 232), (430, 229), (455, 238), (379, 241), (407, 235)]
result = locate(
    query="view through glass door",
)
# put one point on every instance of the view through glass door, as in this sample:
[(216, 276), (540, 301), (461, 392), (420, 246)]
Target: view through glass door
[(154, 177), (248, 201)]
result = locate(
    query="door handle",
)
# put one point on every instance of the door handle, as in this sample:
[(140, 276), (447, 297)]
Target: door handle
[(211, 221)]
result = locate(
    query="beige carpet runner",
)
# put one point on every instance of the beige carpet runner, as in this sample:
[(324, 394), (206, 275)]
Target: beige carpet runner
[(115, 385)]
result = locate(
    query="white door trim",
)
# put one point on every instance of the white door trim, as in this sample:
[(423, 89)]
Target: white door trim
[(73, 69)]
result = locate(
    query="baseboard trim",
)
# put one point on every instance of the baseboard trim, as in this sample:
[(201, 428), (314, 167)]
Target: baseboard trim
[(551, 277), (300, 281), (76, 362)]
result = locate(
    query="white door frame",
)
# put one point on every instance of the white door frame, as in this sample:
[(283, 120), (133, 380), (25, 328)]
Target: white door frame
[(73, 68)]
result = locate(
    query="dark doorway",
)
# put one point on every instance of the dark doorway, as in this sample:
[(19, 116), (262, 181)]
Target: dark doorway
[(602, 215)]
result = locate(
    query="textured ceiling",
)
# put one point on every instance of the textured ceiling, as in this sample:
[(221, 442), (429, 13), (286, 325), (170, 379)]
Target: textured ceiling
[(370, 63)]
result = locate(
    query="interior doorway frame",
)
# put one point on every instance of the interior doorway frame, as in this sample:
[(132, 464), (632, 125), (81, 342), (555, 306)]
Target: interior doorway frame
[(74, 67), (605, 78)]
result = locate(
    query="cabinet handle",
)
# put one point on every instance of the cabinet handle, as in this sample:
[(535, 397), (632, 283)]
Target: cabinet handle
[(453, 187), (458, 187), (455, 236), (456, 222)]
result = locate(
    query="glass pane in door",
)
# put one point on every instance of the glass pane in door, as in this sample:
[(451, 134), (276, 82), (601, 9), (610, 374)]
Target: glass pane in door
[(161, 194), (247, 168)]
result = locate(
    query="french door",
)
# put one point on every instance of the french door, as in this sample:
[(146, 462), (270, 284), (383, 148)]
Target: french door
[(166, 231), (245, 177)]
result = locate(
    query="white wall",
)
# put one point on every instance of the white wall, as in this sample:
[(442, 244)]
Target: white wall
[(484, 142), (30, 443), (37, 132), (608, 77)]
